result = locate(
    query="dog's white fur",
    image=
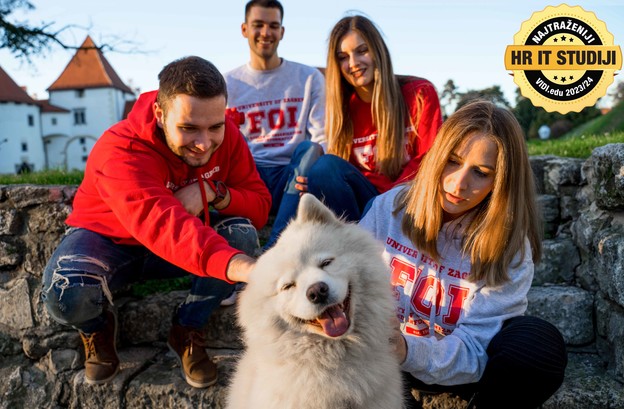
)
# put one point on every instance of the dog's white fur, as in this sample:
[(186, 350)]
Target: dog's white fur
[(292, 363)]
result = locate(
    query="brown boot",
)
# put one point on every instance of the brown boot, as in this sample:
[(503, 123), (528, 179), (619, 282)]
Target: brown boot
[(101, 360), (189, 346)]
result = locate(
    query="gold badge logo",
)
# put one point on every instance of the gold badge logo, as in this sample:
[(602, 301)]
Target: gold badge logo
[(563, 58)]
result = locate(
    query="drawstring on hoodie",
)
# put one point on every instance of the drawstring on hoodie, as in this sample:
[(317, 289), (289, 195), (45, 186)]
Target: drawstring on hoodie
[(200, 180)]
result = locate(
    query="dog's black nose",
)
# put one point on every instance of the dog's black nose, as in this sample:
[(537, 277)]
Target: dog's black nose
[(318, 292)]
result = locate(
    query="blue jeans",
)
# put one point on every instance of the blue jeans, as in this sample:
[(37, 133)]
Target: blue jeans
[(281, 180), (87, 268), (341, 186)]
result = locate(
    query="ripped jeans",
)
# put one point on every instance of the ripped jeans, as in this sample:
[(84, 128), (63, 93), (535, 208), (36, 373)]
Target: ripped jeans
[(87, 268)]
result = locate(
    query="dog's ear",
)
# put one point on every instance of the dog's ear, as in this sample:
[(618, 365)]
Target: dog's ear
[(312, 210)]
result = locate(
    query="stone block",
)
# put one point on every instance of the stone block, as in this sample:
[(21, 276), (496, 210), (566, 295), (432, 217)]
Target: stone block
[(62, 360), (111, 394), (610, 327), (584, 229), (23, 196), (609, 262), (9, 254), (568, 308), (607, 176), (559, 259), (537, 165), (9, 342), (223, 331), (50, 218), (149, 320), (587, 386), (161, 386), (549, 206), (561, 172), (15, 310), (10, 221), (568, 203), (38, 341), (24, 385)]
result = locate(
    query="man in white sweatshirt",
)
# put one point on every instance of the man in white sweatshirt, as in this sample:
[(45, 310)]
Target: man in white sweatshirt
[(283, 104)]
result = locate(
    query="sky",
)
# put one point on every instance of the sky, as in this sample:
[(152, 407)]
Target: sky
[(439, 40)]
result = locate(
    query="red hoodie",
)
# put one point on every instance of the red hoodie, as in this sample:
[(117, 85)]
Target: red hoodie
[(423, 106), (128, 186)]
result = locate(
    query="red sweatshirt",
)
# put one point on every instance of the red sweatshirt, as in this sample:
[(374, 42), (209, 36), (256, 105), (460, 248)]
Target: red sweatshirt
[(128, 186), (423, 107)]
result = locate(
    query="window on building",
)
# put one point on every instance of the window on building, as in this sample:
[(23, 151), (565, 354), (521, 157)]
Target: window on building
[(31, 120), (24, 147), (53, 121), (84, 159), (82, 141), (79, 116), (80, 93)]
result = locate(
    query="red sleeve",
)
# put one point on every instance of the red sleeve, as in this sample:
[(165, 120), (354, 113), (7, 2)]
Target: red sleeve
[(132, 186), (423, 104), (250, 197)]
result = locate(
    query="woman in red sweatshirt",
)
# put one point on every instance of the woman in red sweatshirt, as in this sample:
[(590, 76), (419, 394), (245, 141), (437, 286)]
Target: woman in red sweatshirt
[(378, 126)]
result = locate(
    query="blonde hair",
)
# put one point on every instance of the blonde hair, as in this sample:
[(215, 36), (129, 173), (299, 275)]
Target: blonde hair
[(388, 107), (503, 220)]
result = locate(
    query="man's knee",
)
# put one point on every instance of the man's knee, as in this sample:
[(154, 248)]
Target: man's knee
[(305, 156), (308, 148), (325, 165), (240, 234), (74, 294)]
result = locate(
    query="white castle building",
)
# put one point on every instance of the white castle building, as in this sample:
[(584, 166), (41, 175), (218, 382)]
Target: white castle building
[(86, 99)]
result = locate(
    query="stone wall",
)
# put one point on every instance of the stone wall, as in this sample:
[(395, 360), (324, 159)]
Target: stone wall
[(579, 287)]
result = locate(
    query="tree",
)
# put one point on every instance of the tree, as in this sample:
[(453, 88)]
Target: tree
[(21, 38), (617, 95), (531, 118), (25, 40), (493, 94), (448, 96), (526, 113)]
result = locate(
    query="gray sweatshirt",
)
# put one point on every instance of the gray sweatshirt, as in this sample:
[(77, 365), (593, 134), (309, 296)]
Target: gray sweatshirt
[(446, 320), (282, 107)]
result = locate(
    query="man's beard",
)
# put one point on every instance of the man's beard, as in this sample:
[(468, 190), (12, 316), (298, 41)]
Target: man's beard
[(180, 151)]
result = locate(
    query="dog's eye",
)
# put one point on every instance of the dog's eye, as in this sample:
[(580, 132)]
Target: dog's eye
[(325, 262), (287, 286)]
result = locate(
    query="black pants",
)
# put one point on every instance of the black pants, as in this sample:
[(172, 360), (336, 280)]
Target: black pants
[(526, 364)]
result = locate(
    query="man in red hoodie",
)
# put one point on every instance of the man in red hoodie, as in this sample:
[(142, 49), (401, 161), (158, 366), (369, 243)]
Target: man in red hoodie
[(143, 210)]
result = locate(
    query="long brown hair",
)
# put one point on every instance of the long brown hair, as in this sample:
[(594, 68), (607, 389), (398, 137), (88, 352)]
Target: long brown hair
[(388, 107), (503, 220)]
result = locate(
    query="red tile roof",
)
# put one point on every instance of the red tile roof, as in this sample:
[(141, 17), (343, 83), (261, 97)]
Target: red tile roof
[(11, 92), (88, 69), (47, 107)]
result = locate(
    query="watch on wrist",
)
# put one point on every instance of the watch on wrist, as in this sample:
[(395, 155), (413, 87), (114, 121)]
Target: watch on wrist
[(220, 191)]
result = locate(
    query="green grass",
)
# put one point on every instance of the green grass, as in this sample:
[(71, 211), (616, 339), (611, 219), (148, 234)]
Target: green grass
[(581, 141), (573, 146), (48, 177), (611, 122), (149, 287)]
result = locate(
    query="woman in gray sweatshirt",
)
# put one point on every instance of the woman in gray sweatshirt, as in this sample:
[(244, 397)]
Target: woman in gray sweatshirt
[(461, 241)]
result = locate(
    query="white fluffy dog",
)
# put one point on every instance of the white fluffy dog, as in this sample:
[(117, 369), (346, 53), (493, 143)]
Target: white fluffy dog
[(317, 317)]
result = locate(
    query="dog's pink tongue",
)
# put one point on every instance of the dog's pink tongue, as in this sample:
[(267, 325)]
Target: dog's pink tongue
[(334, 321)]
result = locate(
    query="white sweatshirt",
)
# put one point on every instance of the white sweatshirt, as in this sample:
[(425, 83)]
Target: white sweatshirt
[(282, 107), (446, 320)]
